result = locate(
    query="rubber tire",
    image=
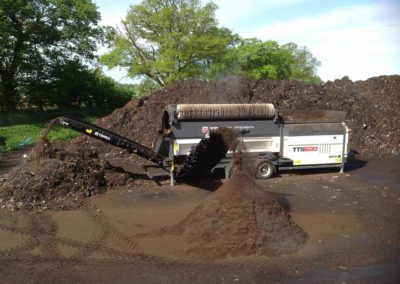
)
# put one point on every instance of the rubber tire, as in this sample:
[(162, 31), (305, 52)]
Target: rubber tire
[(265, 169)]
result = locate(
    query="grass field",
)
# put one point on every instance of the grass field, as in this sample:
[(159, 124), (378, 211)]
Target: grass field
[(27, 128)]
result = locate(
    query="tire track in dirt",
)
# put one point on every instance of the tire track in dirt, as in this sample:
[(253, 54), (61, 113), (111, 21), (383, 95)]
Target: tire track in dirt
[(46, 240), (102, 233), (44, 229), (41, 231), (22, 247), (106, 231), (5, 215)]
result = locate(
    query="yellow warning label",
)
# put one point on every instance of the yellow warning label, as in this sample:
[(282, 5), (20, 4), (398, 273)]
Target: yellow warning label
[(89, 131), (297, 162), (338, 160), (176, 148)]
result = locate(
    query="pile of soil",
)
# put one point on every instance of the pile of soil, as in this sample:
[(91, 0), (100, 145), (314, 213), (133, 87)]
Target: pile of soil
[(239, 219), (372, 108), (54, 177)]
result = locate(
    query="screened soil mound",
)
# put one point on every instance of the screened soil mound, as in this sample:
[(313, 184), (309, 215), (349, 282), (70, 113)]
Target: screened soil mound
[(239, 219), (372, 106)]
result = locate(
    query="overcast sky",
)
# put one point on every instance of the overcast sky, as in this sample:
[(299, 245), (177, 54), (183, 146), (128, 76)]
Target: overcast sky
[(358, 38)]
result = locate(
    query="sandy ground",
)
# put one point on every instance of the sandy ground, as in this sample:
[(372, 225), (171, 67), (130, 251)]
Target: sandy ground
[(352, 220), (10, 160)]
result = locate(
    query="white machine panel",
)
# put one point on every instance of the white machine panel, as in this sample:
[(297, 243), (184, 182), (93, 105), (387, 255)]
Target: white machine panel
[(262, 144), (184, 146), (252, 144), (313, 149)]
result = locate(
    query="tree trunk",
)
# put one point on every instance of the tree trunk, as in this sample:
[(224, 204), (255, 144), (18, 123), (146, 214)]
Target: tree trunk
[(9, 91)]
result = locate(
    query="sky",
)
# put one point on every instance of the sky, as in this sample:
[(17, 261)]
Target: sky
[(359, 39)]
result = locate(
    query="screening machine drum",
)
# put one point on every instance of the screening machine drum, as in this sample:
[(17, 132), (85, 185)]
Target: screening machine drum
[(224, 111)]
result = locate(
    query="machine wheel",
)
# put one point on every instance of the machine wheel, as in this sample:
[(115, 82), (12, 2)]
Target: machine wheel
[(265, 169)]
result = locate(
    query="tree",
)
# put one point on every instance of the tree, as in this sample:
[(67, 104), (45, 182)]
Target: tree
[(304, 64), (39, 34), (145, 87), (75, 85), (262, 60), (167, 40), (256, 59), (105, 92)]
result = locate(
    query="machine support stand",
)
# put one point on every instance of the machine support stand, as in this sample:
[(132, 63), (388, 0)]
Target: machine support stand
[(343, 152), (172, 173)]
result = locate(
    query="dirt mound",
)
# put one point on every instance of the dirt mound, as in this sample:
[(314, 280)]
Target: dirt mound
[(56, 178), (239, 219), (372, 107)]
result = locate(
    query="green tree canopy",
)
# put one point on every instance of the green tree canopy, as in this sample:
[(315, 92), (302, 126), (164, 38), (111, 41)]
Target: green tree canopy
[(36, 35), (262, 60), (167, 40), (75, 85), (268, 60), (304, 64)]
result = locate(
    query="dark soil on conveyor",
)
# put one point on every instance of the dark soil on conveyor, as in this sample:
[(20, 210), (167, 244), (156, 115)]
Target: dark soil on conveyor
[(239, 219), (70, 171)]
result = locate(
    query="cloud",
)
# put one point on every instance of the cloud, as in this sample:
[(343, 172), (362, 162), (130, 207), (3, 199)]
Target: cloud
[(120, 75), (358, 41), (233, 13), (113, 11)]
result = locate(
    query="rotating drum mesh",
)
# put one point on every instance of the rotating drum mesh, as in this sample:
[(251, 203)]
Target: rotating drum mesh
[(224, 111)]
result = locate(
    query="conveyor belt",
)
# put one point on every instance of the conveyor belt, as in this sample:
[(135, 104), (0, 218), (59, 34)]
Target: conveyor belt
[(111, 138), (205, 156)]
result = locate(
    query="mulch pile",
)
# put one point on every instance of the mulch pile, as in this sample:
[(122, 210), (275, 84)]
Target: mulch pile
[(70, 171), (58, 179), (239, 219)]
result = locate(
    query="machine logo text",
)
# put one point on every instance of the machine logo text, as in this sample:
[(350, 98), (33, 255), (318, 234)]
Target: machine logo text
[(102, 136), (305, 149)]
